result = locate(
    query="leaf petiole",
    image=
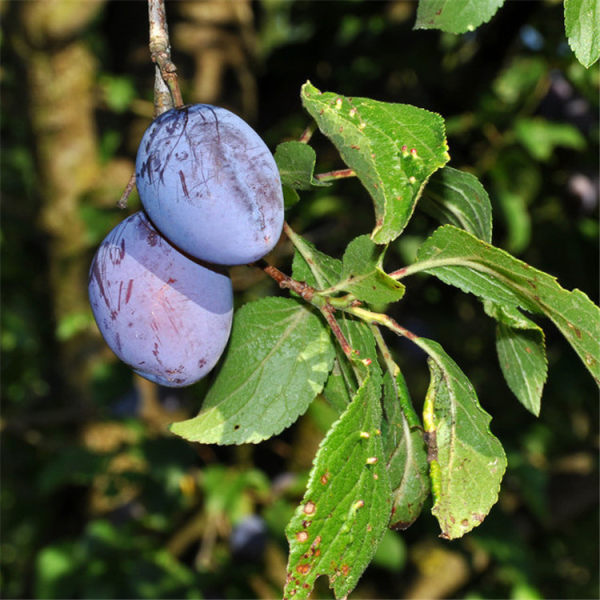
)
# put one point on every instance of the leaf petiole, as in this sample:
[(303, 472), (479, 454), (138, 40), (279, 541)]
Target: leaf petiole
[(334, 175)]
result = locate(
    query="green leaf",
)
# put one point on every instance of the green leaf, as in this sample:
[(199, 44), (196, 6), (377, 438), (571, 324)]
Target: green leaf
[(296, 163), (582, 26), (516, 184), (313, 266), (391, 552), (339, 383), (290, 197), (518, 221), (517, 82), (460, 259), (55, 570), (522, 354), (393, 148), (363, 276), (540, 137), (118, 92), (405, 451), (321, 271), (466, 461), (455, 16), (348, 373), (359, 336), (345, 511), (279, 357), (458, 198)]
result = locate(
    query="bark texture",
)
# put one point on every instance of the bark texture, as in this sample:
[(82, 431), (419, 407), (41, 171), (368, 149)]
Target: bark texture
[(61, 74)]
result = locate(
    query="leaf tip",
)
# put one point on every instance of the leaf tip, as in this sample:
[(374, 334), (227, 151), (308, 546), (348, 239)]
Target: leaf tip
[(308, 88)]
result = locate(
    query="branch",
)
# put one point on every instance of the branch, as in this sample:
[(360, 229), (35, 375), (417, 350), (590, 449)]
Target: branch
[(308, 293), (327, 311), (286, 282), (167, 94), (160, 52)]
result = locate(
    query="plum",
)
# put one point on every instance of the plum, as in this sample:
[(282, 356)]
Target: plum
[(162, 313), (210, 185)]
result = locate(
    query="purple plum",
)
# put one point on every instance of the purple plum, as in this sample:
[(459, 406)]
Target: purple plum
[(210, 185), (162, 313)]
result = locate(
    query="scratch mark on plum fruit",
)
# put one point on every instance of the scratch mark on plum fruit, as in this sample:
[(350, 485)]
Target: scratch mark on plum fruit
[(181, 134), (117, 253), (155, 352), (99, 282), (120, 290), (183, 185), (129, 290)]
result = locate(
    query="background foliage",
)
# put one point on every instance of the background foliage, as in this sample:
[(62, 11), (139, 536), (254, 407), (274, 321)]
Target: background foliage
[(98, 499)]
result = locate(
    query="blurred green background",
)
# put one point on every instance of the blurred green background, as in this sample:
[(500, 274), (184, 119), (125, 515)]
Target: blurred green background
[(98, 499)]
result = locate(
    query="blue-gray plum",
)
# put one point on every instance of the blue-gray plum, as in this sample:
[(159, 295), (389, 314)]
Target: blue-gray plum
[(162, 313), (210, 185), (249, 538)]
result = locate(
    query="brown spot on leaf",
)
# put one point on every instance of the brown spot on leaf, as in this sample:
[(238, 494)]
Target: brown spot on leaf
[(325, 478), (303, 569), (302, 536), (310, 507), (430, 439)]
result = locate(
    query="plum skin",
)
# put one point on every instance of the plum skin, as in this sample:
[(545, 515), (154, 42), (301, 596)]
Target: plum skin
[(162, 313), (210, 185)]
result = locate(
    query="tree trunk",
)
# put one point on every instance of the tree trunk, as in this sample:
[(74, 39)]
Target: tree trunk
[(61, 71)]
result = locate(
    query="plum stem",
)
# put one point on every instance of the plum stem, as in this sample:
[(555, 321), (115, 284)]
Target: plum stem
[(167, 94), (160, 52)]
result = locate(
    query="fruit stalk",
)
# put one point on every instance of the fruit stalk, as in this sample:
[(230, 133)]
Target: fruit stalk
[(160, 52), (167, 94)]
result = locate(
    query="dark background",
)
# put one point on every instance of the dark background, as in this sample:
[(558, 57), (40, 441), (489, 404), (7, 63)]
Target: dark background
[(98, 499)]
